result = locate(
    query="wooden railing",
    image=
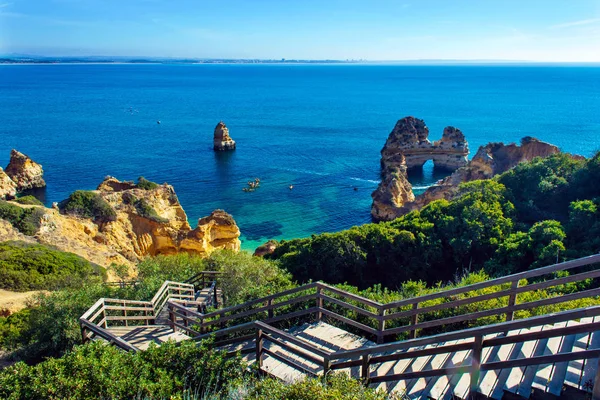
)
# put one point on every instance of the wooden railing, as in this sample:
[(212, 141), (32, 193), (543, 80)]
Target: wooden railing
[(201, 279), (107, 313), (477, 339), (370, 318)]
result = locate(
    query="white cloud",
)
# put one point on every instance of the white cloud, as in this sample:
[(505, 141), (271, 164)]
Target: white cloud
[(576, 23)]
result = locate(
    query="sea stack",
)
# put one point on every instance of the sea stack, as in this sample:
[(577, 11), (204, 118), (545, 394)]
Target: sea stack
[(407, 147), (222, 141), (24, 172)]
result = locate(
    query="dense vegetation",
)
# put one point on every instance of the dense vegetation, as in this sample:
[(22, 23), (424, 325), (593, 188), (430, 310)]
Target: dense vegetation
[(533, 215), (88, 205), (25, 266), (29, 200), (528, 217), (145, 184), (25, 220)]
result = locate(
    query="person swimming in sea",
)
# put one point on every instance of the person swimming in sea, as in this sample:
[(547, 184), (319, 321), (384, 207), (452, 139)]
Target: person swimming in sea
[(291, 187)]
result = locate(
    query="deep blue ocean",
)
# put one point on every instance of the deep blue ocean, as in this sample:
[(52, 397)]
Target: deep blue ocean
[(317, 127)]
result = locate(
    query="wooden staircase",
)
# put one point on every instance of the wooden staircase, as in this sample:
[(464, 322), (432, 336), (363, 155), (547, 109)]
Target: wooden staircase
[(315, 329)]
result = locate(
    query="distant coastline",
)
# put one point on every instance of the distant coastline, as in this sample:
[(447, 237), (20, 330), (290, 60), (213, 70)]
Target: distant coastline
[(10, 59)]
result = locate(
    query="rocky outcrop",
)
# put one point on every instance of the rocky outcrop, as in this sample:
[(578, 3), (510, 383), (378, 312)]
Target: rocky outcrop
[(8, 189), (148, 222), (111, 184), (266, 248), (410, 137), (24, 172), (408, 146), (152, 222), (222, 141), (491, 159)]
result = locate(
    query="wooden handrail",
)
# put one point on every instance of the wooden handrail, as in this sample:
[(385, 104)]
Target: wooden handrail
[(498, 281)]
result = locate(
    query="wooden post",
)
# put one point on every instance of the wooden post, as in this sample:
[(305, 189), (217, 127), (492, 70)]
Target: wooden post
[(185, 319), (319, 304), (84, 337), (216, 299), (475, 363), (326, 366), (381, 326), (413, 321), (222, 324), (364, 369), (125, 313), (172, 318), (512, 300), (259, 347), (270, 308)]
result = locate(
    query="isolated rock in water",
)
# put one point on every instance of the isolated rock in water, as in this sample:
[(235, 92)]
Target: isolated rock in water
[(8, 189), (408, 146), (266, 248), (222, 141), (24, 172)]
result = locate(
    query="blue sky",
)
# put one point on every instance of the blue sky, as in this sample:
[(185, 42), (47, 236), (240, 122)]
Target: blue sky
[(536, 30)]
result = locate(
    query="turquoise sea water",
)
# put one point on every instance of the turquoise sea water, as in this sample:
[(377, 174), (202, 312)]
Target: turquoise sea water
[(317, 127)]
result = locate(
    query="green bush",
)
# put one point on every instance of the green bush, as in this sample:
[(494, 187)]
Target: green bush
[(29, 200), (95, 371), (25, 266), (145, 210), (12, 329), (25, 220), (145, 184), (88, 205)]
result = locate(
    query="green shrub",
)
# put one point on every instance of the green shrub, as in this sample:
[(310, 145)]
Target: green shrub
[(145, 210), (25, 220), (29, 200), (88, 205), (25, 266), (12, 329), (95, 371), (145, 184)]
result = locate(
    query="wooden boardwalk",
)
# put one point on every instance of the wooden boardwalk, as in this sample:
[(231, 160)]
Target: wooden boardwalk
[(550, 353), (521, 381)]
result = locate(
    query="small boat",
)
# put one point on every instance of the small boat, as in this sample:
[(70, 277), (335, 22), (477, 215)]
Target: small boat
[(291, 187), (158, 122)]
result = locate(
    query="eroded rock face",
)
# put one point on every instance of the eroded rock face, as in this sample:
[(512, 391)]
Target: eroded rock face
[(410, 137), (491, 159), (111, 184), (8, 189), (408, 146), (148, 223), (266, 248), (24, 172), (222, 141)]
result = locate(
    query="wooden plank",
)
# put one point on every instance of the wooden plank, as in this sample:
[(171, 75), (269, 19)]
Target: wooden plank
[(591, 365), (498, 281), (350, 306), (420, 386), (543, 373), (490, 379), (559, 370), (575, 367), (297, 351), (348, 321), (510, 378), (292, 339), (262, 299), (355, 297)]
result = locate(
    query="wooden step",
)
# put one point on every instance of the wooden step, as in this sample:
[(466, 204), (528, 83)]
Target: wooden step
[(559, 370), (575, 368), (591, 365)]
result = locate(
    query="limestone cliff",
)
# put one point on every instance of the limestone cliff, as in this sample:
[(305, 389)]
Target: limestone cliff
[(148, 222), (222, 141), (408, 146), (24, 172), (491, 159), (8, 189)]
